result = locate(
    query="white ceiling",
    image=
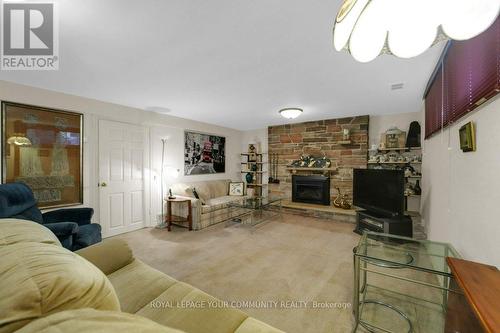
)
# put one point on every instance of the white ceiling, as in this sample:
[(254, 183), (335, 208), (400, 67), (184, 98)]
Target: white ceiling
[(233, 63)]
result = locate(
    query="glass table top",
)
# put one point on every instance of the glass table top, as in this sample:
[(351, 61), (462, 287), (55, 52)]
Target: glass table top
[(255, 202), (399, 252)]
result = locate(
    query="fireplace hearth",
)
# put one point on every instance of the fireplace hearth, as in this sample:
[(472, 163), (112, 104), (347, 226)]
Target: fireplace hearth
[(312, 189)]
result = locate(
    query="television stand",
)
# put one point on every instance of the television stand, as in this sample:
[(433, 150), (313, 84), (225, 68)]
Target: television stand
[(369, 221)]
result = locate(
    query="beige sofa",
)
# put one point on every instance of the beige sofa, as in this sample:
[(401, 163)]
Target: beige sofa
[(103, 288), (212, 207)]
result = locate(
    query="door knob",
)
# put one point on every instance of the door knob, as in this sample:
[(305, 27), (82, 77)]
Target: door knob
[(103, 184)]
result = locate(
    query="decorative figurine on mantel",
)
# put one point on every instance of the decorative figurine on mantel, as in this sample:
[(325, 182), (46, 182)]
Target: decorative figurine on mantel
[(323, 162), (302, 162), (307, 161), (170, 195)]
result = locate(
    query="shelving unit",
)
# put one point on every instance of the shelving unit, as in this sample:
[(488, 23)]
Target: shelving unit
[(398, 164), (258, 174)]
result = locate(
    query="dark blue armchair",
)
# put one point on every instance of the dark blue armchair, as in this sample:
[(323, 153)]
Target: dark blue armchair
[(72, 227)]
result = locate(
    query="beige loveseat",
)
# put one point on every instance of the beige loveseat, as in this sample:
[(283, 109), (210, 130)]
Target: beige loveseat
[(45, 288), (212, 207)]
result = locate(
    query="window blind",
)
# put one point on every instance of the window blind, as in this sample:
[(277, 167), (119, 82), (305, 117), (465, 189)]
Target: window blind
[(467, 76)]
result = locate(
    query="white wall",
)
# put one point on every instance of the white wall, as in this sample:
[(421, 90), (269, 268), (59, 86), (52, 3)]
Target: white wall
[(258, 136), (174, 152), (461, 198), (159, 126), (380, 124)]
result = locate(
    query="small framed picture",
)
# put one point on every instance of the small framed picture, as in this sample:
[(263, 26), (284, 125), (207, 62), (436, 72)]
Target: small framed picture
[(236, 189), (467, 137)]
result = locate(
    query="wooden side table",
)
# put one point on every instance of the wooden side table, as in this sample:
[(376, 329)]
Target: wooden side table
[(478, 308), (174, 219)]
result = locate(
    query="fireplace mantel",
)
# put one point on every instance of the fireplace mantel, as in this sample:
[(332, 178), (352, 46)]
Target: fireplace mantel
[(324, 171)]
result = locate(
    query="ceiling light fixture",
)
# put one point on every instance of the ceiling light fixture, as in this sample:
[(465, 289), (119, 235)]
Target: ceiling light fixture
[(290, 113), (19, 140), (368, 28)]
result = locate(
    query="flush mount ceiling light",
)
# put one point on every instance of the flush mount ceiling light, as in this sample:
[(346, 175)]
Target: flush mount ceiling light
[(368, 28), (291, 113), (19, 140)]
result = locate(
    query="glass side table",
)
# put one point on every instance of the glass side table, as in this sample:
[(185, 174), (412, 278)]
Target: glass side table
[(400, 284)]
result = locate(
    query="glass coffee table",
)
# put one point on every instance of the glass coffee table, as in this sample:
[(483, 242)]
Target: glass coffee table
[(400, 284), (255, 210)]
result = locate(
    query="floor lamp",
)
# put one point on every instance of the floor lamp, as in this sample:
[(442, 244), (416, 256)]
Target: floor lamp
[(162, 224)]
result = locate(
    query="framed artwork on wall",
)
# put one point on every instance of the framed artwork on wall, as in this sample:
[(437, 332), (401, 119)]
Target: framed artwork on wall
[(204, 153), (467, 137), (43, 148)]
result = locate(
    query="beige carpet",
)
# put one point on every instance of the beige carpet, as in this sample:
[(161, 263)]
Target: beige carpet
[(289, 260), (293, 259)]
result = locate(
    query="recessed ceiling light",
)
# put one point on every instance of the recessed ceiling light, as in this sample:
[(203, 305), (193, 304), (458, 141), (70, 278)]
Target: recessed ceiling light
[(290, 113)]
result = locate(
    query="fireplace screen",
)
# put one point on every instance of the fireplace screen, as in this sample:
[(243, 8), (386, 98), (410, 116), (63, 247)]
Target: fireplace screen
[(311, 189)]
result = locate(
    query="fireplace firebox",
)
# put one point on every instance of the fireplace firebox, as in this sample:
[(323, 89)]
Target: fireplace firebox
[(311, 189)]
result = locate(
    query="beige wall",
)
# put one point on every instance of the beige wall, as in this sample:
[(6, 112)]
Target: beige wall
[(159, 126), (461, 197)]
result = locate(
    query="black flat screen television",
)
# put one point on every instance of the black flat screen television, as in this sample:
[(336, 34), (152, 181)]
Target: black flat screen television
[(379, 191)]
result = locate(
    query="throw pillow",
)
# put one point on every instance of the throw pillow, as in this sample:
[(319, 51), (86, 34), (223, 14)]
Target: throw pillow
[(236, 189)]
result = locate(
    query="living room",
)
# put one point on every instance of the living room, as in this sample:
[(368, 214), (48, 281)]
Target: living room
[(162, 173)]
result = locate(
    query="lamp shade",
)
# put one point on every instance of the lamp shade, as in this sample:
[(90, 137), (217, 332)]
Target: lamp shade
[(368, 28), (290, 113), (19, 140)]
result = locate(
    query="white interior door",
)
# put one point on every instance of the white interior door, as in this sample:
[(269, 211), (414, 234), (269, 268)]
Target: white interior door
[(121, 177)]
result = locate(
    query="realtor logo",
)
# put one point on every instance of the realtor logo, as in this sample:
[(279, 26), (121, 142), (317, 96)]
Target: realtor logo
[(29, 36)]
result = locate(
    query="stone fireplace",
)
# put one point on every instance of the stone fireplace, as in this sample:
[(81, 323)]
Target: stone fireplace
[(319, 138), (311, 189)]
